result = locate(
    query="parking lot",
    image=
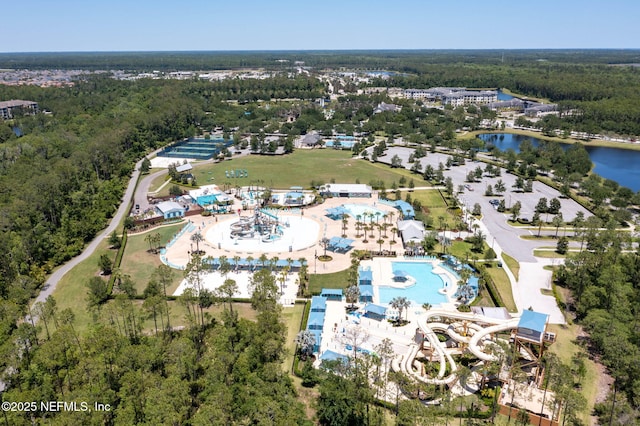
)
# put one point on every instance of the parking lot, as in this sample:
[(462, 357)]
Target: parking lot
[(507, 236)]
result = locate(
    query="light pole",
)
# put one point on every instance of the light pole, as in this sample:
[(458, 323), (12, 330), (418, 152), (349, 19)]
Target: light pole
[(315, 262)]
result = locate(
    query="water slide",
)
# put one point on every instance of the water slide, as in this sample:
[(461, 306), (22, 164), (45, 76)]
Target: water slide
[(271, 215), (479, 333), (496, 325)]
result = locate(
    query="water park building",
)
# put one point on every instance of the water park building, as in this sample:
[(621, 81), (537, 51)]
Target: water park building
[(346, 190), (210, 197), (170, 209)]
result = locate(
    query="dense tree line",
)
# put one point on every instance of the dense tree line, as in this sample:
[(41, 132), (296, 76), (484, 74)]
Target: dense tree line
[(63, 179), (605, 284), (408, 61), (223, 370)]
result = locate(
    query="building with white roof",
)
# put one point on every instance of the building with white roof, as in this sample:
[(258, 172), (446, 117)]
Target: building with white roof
[(346, 190), (411, 231), (170, 209)]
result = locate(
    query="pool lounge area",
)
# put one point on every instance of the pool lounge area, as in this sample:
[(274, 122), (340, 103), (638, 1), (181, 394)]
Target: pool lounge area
[(365, 212)]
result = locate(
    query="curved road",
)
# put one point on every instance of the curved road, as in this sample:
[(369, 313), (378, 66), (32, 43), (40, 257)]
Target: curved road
[(139, 197), (51, 283)]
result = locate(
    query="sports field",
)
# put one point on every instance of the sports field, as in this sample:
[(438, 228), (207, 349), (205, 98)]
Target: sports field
[(300, 168)]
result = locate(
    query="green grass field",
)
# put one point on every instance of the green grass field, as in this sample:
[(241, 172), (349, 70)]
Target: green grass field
[(292, 318), (503, 285), (513, 264), (71, 291), (139, 263), (565, 347), (336, 280), (300, 168)]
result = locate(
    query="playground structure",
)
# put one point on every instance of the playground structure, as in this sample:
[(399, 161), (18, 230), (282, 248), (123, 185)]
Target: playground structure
[(250, 197), (261, 225)]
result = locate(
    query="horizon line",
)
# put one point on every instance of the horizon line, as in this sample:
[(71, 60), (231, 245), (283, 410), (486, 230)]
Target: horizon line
[(512, 49)]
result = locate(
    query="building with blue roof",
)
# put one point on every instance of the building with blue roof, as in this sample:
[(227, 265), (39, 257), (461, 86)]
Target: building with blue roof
[(408, 213), (365, 276), (339, 244), (532, 326), (366, 293), (318, 304), (315, 321), (376, 312), (332, 294)]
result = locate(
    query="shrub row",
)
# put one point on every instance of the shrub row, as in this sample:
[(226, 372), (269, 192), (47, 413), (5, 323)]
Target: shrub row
[(118, 261)]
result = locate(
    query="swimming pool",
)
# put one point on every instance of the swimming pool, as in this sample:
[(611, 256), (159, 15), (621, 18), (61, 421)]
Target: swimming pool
[(364, 212), (424, 291)]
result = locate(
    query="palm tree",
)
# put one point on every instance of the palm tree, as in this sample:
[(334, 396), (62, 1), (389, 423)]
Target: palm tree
[(156, 239), (197, 238), (263, 259), (250, 260), (273, 262), (345, 223), (149, 238), (236, 260), (400, 303), (225, 266), (282, 278)]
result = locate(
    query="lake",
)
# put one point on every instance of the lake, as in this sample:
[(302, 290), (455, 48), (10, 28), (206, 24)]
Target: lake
[(620, 165), (503, 96)]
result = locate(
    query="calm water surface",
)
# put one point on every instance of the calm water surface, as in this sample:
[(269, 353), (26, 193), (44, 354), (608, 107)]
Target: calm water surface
[(620, 165)]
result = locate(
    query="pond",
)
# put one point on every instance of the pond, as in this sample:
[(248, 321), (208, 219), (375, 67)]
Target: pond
[(620, 165)]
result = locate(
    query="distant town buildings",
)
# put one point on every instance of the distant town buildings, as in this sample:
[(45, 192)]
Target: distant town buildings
[(9, 108), (454, 96)]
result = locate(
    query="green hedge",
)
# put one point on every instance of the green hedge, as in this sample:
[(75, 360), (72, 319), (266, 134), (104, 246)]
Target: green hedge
[(117, 262), (491, 287), (303, 325)]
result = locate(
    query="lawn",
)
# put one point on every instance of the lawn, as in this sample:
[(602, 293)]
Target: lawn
[(462, 250), (336, 280), (178, 314), (550, 254), (565, 347), (300, 168), (436, 207), (71, 290), (292, 318), (139, 263), (503, 285), (513, 265)]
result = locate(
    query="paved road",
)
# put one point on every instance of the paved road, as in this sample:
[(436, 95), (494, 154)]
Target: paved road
[(51, 283), (496, 223), (533, 278), (140, 197)]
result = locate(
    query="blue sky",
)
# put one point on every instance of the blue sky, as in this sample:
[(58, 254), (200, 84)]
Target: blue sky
[(143, 25)]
